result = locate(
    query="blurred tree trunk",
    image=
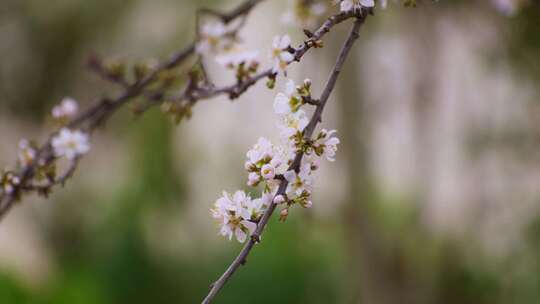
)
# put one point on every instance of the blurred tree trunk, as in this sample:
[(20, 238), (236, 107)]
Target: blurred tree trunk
[(422, 48), (379, 270), (367, 283)]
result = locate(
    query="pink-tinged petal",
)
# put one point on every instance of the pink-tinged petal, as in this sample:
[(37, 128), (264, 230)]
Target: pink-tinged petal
[(367, 3), (332, 141), (250, 226), (281, 104), (240, 235), (286, 56), (346, 5), (275, 42), (290, 176), (290, 87), (285, 42)]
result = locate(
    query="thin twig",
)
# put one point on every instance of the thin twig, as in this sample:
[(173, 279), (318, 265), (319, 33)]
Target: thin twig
[(308, 132), (235, 90)]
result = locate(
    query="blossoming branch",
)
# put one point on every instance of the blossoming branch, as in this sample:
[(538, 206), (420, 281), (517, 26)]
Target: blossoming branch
[(280, 173)]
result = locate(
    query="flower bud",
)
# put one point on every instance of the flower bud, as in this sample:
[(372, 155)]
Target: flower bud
[(307, 83), (67, 108), (315, 165), (253, 179), (268, 172), (308, 204), (248, 165), (283, 214)]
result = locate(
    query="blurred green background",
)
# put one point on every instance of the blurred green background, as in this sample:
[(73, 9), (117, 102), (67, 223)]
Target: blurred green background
[(133, 226)]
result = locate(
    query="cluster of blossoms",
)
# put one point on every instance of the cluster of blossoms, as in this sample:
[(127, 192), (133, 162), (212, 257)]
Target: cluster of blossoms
[(219, 39), (348, 5), (269, 164), (8, 182), (68, 143)]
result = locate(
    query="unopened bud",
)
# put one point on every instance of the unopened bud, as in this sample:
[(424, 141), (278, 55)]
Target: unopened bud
[(283, 214), (268, 172), (248, 165), (307, 83), (253, 179)]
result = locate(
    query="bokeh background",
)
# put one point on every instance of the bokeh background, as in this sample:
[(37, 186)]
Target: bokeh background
[(434, 197)]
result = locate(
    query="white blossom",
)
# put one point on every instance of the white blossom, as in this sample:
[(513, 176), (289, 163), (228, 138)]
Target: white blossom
[(262, 149), (264, 162), (257, 206), (280, 54), (214, 37), (282, 103), (290, 124), (70, 143), (304, 13), (253, 179), (299, 182), (291, 119), (269, 164), (67, 108), (348, 5), (326, 144), (234, 216), (268, 171)]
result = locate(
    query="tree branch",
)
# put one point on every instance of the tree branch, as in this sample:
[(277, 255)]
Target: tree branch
[(233, 91), (96, 115), (308, 132)]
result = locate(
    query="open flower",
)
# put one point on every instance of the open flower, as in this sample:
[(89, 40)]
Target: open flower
[(257, 206), (70, 143), (261, 150), (214, 37), (282, 102), (299, 183), (348, 5), (234, 214), (253, 179), (304, 13), (280, 54), (292, 123), (326, 144)]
